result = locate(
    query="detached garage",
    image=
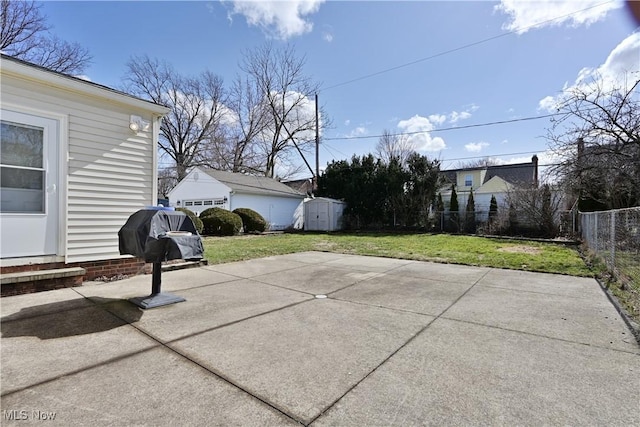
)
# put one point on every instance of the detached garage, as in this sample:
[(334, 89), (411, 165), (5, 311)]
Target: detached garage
[(205, 188), (323, 214)]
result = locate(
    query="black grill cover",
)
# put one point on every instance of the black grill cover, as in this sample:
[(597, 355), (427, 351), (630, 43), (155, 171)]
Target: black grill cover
[(147, 235)]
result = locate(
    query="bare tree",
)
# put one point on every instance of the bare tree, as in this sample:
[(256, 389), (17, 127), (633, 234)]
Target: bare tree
[(535, 211), (597, 136), (166, 181), (286, 100), (394, 146), (478, 163), (25, 35), (190, 129), (236, 149)]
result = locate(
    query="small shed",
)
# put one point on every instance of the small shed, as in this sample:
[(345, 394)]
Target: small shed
[(323, 214)]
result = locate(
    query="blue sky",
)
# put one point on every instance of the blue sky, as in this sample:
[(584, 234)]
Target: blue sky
[(467, 62)]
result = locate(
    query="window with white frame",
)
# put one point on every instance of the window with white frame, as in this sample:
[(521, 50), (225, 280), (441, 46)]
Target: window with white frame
[(468, 180), (23, 169)]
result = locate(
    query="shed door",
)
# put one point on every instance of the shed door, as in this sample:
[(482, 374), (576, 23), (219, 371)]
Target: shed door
[(28, 185), (318, 216)]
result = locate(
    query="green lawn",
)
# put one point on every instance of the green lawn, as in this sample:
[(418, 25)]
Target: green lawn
[(468, 250)]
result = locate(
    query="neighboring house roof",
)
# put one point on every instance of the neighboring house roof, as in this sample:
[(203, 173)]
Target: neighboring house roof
[(75, 84), (304, 186), (517, 174), (252, 184)]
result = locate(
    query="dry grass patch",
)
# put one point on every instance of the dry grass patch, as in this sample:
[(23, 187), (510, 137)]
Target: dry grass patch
[(521, 249)]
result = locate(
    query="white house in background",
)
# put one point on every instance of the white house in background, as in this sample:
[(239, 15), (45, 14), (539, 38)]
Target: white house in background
[(485, 182), (202, 188), (77, 160)]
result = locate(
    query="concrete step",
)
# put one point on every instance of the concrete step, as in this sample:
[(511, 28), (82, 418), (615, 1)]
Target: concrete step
[(40, 280), (32, 276)]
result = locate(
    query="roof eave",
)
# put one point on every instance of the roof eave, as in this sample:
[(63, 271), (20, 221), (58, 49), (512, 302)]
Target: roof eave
[(25, 70)]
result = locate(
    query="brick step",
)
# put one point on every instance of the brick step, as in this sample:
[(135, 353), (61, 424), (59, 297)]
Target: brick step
[(40, 280)]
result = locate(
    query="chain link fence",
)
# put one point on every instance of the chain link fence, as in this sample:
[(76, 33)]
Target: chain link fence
[(614, 236)]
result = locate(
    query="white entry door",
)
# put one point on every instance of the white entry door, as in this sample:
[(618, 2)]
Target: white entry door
[(28, 185)]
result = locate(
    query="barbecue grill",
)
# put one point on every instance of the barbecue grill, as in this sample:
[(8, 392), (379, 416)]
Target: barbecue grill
[(157, 234)]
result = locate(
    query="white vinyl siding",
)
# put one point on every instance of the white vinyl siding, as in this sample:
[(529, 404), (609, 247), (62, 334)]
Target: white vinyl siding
[(109, 171)]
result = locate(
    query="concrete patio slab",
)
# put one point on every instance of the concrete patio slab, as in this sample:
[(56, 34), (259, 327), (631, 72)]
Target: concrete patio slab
[(404, 293), (246, 269), (373, 264), (456, 374), (304, 358), (150, 388), (44, 347), (37, 304), (208, 307), (556, 284), (316, 279), (588, 321), (442, 272), (406, 343), (172, 281)]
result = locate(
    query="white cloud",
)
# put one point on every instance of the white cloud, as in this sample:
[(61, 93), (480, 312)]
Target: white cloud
[(358, 131), (623, 60), (455, 116), (422, 139), (437, 118), (277, 18), (347, 122), (327, 33), (525, 14), (476, 147)]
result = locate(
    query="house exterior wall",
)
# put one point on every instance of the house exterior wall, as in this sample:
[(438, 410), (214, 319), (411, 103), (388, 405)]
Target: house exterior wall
[(280, 212), (496, 186), (477, 176), (106, 171), (198, 186)]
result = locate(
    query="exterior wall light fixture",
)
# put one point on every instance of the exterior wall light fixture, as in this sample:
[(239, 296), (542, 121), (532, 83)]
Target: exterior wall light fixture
[(138, 124)]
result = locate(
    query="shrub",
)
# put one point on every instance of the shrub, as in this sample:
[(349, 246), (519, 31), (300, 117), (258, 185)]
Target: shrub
[(220, 222), (197, 222), (252, 221), (208, 212)]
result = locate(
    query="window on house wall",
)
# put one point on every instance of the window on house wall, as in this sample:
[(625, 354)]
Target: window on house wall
[(208, 202), (188, 203), (23, 172), (197, 203), (219, 202), (468, 180)]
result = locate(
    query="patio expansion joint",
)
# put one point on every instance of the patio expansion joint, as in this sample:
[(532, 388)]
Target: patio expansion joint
[(83, 369), (167, 345), (635, 353), (531, 292), (406, 343)]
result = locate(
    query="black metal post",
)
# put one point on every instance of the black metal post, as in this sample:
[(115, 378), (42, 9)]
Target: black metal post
[(156, 278)]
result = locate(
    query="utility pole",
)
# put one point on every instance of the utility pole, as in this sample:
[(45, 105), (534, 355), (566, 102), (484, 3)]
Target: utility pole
[(315, 181)]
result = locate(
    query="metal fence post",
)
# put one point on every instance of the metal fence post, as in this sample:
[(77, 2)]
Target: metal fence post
[(595, 232), (613, 239)]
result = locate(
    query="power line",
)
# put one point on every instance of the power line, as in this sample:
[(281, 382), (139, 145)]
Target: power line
[(491, 155), (446, 52), (500, 122)]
